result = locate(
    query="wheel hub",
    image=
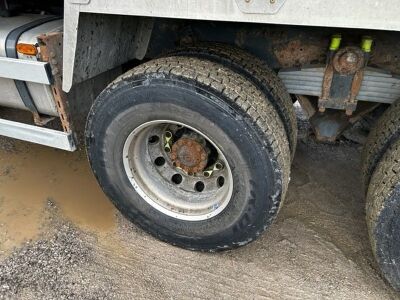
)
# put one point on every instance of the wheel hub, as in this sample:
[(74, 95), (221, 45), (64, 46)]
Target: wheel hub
[(178, 170), (189, 155)]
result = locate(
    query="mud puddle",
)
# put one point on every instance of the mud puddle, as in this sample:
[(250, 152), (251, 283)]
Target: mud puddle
[(30, 175)]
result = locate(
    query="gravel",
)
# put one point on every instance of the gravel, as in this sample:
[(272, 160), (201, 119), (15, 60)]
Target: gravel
[(46, 268)]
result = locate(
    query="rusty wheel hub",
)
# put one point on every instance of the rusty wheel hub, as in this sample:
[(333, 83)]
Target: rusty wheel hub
[(189, 155)]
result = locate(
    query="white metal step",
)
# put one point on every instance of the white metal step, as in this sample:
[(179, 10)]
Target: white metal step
[(25, 70), (38, 135)]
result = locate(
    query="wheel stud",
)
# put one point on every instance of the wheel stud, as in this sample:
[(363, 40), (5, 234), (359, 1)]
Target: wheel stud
[(207, 173), (217, 167), (168, 141), (168, 136)]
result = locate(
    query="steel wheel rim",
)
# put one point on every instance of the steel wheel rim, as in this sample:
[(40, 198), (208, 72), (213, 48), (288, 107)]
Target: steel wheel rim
[(180, 197)]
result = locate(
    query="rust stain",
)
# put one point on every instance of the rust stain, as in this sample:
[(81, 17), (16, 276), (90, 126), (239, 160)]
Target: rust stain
[(297, 53), (189, 155), (51, 51)]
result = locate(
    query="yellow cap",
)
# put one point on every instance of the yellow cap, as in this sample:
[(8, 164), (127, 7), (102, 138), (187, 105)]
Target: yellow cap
[(366, 44), (335, 42)]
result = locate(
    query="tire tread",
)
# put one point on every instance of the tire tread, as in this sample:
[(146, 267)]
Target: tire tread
[(255, 70), (383, 134)]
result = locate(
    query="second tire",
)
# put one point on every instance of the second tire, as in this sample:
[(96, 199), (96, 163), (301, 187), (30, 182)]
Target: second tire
[(256, 71)]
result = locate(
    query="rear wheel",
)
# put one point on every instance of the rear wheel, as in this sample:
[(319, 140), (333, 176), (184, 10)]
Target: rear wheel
[(383, 210), (191, 152)]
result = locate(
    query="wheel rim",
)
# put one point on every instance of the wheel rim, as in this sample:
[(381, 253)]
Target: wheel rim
[(178, 170)]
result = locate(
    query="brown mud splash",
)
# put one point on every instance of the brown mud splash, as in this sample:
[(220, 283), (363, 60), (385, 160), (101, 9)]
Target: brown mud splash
[(32, 174)]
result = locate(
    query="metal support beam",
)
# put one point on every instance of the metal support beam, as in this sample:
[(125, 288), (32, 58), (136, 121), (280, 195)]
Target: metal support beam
[(38, 135), (25, 70)]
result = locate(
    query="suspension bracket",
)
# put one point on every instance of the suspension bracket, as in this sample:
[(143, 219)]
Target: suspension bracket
[(343, 75)]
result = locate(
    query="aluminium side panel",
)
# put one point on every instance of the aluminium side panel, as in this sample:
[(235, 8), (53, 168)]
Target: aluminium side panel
[(367, 14)]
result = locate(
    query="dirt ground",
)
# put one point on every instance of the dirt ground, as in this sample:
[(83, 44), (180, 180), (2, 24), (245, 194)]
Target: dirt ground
[(61, 238)]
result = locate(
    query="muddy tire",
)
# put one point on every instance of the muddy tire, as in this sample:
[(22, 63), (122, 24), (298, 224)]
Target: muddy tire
[(383, 134), (383, 214), (203, 98), (256, 71)]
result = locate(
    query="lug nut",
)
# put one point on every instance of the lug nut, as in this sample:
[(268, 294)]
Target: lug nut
[(207, 173), (168, 134)]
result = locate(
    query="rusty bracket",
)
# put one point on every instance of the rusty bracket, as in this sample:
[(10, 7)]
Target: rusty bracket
[(51, 51), (342, 80), (41, 120), (326, 87), (351, 101)]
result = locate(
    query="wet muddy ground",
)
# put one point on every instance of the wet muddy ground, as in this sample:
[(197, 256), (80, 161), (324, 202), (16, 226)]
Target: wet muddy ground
[(61, 238)]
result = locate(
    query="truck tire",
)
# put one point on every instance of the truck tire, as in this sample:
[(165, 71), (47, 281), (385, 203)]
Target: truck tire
[(255, 70), (383, 208), (149, 133), (382, 135)]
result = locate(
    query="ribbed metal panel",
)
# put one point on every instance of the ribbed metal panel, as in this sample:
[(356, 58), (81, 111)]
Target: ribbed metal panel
[(377, 86)]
